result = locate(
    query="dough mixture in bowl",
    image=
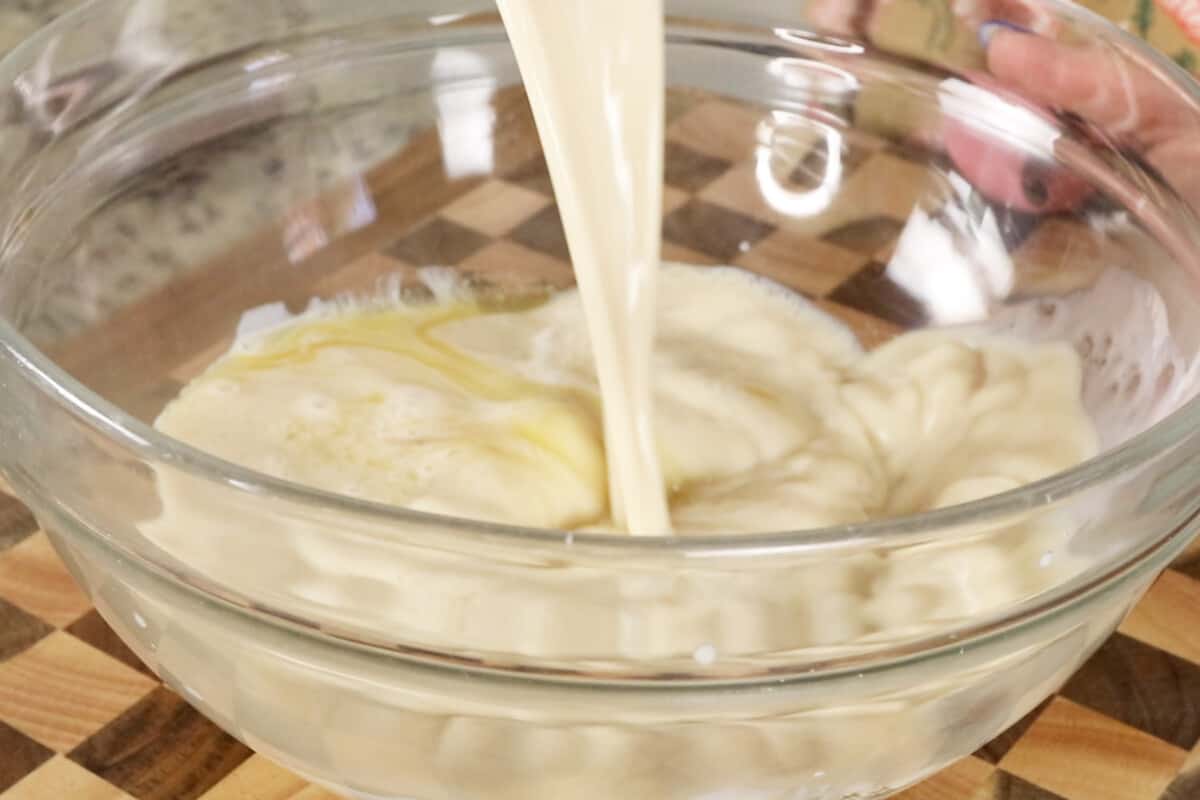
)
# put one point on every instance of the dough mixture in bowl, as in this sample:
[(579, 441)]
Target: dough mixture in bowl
[(768, 414), (769, 417)]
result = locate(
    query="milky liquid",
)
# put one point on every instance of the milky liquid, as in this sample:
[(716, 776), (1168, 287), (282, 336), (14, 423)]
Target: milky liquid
[(594, 72)]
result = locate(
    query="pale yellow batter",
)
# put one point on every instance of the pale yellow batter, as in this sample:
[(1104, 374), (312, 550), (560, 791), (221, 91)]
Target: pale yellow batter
[(769, 416)]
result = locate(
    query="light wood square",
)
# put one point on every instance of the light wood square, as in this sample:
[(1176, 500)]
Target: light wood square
[(1083, 755), (802, 263), (259, 778), (719, 129), (495, 208), (738, 191), (1168, 617), (61, 691), (960, 781), (33, 577), (63, 779), (674, 199)]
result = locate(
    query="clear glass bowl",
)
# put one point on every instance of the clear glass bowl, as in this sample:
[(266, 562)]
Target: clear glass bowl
[(167, 174)]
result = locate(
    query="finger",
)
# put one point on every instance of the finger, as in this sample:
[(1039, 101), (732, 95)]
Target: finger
[(843, 17), (1034, 17), (1178, 161), (1006, 174), (1096, 84)]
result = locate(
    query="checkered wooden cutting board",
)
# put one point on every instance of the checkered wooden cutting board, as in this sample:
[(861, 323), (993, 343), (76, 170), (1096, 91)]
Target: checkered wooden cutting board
[(81, 718)]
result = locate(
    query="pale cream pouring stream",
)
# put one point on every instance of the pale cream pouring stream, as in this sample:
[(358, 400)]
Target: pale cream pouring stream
[(594, 72)]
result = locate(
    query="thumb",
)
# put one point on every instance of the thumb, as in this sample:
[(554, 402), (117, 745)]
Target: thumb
[(1103, 86)]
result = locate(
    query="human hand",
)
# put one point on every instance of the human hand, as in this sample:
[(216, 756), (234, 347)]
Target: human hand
[(1119, 96), (1092, 81)]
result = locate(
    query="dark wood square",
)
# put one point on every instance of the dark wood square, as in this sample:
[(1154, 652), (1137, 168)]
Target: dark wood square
[(533, 175), (1184, 787), (544, 233), (1144, 687), (714, 231), (438, 243), (1189, 566), (161, 749), (19, 755), (92, 628), (871, 291), (867, 236), (686, 169), (19, 630), (16, 522)]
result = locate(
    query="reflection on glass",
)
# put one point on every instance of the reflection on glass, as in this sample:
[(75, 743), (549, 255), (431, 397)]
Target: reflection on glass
[(786, 138), (465, 115), (954, 262)]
